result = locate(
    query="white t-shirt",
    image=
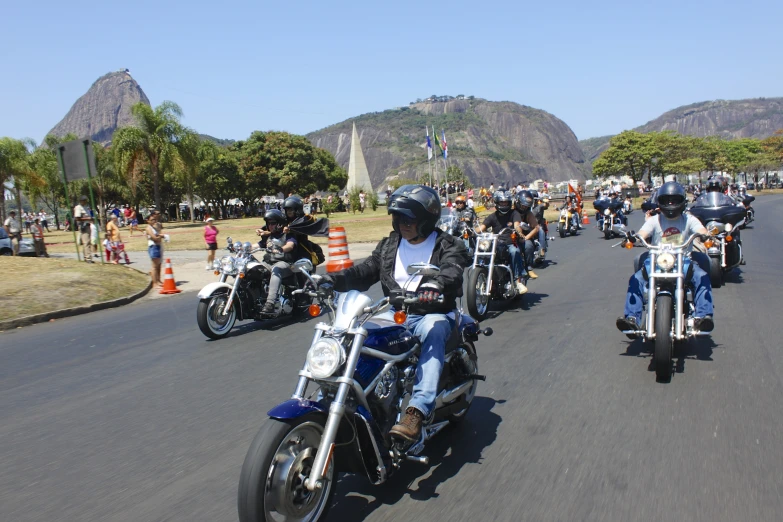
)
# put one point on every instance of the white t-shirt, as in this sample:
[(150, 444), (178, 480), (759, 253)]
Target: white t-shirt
[(12, 224), (408, 254), (673, 231), (79, 211), (470, 203)]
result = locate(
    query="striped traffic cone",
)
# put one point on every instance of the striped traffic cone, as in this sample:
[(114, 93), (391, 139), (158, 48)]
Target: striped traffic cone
[(339, 258), (585, 218), (169, 286)]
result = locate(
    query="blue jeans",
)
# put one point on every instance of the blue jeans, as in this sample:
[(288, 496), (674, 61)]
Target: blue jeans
[(621, 217), (433, 330), (700, 281), (530, 248), (542, 237), (518, 262)]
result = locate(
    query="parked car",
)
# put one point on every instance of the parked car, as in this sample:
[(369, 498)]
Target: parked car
[(26, 245)]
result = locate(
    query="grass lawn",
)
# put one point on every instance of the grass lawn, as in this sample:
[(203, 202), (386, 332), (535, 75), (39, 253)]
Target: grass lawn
[(36, 285)]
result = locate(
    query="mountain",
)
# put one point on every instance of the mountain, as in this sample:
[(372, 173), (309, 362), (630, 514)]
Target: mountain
[(104, 108), (216, 141), (753, 118), (492, 142)]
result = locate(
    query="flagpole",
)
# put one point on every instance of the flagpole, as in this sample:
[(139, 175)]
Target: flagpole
[(437, 178), (429, 153)]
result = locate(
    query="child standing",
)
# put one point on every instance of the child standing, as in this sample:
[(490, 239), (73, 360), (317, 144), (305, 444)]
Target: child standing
[(210, 238)]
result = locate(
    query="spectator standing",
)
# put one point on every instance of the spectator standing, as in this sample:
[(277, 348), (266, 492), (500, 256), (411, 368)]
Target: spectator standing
[(44, 220), (154, 239), (82, 220), (14, 232), (362, 201), (113, 231), (210, 238), (38, 239)]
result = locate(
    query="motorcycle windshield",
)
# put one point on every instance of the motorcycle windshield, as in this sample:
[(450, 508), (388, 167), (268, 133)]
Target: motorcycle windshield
[(715, 206), (447, 220), (713, 199)]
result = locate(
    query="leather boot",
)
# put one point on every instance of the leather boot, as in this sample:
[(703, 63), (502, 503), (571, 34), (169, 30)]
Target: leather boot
[(409, 427)]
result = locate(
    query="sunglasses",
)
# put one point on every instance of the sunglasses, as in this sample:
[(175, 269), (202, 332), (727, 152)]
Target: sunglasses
[(404, 222)]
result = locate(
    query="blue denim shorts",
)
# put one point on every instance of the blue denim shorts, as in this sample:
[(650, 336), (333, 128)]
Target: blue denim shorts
[(154, 251)]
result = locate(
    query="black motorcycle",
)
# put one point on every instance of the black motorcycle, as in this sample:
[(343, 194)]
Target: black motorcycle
[(607, 217), (723, 218), (451, 224), (491, 276), (221, 304)]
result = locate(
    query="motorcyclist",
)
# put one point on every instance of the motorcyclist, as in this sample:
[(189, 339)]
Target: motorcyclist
[(505, 217), (280, 257), (671, 226), (617, 204), (570, 204), (415, 211), (714, 185), (541, 205), (528, 229), (462, 211)]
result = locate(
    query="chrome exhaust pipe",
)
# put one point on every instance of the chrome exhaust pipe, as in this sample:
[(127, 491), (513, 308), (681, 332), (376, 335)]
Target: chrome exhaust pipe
[(454, 393)]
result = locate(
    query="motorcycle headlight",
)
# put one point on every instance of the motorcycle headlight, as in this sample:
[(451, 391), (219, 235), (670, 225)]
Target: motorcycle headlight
[(444, 227), (484, 245), (227, 265), (728, 227), (607, 212), (216, 264), (325, 357), (665, 261)]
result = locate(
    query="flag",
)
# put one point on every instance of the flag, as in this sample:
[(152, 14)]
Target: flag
[(573, 191), (429, 145), (445, 145), (437, 141)]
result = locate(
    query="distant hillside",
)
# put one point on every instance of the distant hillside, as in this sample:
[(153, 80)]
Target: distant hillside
[(753, 118), (104, 108), (218, 141), (490, 141)]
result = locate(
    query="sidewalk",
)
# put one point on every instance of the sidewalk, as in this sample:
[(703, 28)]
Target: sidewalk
[(189, 265)]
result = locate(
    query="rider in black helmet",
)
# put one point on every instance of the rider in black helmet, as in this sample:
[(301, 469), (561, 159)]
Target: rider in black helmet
[(528, 229), (293, 208), (508, 219), (671, 226), (281, 257), (415, 211)]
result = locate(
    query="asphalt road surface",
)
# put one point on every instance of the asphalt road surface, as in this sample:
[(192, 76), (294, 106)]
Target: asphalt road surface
[(132, 415)]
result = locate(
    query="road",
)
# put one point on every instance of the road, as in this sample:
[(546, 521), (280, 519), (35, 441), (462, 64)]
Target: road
[(131, 415)]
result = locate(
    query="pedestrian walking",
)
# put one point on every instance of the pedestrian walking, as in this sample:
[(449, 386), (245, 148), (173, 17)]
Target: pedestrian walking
[(113, 231), (210, 238), (14, 232), (38, 239), (82, 219)]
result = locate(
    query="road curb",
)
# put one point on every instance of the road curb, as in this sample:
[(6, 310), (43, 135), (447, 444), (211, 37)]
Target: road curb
[(70, 312)]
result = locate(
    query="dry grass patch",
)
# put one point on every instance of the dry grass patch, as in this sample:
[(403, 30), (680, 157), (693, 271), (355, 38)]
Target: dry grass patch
[(37, 285)]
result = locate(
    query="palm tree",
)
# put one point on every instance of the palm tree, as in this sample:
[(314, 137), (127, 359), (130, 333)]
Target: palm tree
[(188, 148), (15, 168), (153, 140)]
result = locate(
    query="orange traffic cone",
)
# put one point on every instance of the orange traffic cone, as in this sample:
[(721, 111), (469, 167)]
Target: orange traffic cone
[(339, 258), (585, 219), (169, 286)]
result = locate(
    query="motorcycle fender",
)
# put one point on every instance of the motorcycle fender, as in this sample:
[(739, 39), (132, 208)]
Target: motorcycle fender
[(293, 409), (208, 290)]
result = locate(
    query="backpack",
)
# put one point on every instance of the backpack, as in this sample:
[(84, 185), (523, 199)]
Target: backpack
[(314, 252)]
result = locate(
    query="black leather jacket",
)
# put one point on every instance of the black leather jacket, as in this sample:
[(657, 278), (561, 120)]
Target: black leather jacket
[(449, 254)]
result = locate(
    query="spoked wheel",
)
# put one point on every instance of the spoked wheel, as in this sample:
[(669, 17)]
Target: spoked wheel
[(716, 273), (211, 320), (468, 362), (478, 302), (271, 485), (664, 343)]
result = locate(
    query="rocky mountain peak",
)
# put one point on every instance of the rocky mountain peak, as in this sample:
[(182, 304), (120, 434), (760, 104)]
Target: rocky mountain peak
[(105, 107)]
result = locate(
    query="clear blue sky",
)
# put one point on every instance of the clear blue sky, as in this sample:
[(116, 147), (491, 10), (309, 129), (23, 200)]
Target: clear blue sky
[(235, 67)]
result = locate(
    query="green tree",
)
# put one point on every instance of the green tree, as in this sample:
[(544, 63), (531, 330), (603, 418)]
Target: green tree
[(15, 169), (454, 174), (219, 179), (287, 163), (153, 140), (629, 153)]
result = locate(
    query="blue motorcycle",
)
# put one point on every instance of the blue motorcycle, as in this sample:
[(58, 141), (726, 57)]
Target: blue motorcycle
[(363, 370)]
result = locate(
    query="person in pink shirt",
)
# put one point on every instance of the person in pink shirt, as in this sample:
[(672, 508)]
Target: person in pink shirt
[(210, 238)]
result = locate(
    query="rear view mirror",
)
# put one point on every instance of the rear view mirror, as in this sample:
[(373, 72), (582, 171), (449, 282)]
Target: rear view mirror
[(425, 269), (302, 265)]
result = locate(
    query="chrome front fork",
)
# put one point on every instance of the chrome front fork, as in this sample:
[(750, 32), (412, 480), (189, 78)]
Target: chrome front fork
[(336, 412), (231, 296)]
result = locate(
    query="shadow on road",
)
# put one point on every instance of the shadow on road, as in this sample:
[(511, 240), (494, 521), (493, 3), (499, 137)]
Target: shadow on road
[(356, 498), (734, 277), (699, 349)]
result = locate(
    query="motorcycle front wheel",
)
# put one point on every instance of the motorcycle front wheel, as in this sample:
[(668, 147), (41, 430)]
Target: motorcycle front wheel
[(478, 303), (562, 232), (716, 272), (280, 458), (607, 234), (210, 318), (664, 343)]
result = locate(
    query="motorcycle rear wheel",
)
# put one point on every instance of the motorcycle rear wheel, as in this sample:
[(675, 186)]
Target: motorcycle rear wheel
[(478, 303), (458, 417), (716, 273), (664, 343), (209, 318), (271, 484)]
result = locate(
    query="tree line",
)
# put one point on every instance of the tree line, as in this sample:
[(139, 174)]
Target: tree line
[(654, 154), (159, 161)]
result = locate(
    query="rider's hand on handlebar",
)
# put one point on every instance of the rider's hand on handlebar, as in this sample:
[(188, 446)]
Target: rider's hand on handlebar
[(429, 292)]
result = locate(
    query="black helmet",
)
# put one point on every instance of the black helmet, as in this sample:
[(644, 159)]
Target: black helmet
[(418, 203), (275, 216), (294, 202), (713, 185), (534, 194), (502, 201), (672, 199), (523, 202)]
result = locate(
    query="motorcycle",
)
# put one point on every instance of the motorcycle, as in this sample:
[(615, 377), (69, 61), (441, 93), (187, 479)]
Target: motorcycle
[(668, 306), (627, 207), (449, 223), (607, 219), (364, 369), (723, 219), (221, 304), (750, 213), (491, 275), (565, 224)]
